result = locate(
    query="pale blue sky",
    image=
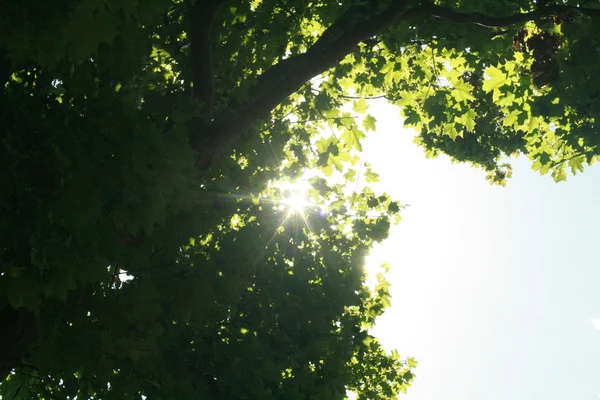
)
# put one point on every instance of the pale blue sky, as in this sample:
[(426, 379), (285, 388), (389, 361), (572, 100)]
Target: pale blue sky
[(494, 288)]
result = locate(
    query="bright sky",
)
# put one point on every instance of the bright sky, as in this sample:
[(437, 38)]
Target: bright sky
[(495, 290)]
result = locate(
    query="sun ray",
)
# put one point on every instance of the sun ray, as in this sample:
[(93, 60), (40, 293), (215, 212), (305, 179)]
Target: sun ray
[(297, 203)]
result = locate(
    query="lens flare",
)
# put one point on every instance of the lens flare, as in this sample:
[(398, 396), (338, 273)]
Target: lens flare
[(296, 202)]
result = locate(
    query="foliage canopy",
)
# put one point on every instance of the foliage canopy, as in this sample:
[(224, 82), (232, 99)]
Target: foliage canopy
[(145, 139)]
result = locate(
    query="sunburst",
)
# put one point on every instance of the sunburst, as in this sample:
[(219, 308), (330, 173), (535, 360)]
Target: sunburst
[(296, 201)]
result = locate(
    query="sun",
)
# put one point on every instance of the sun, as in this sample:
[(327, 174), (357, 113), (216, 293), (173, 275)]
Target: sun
[(295, 200)]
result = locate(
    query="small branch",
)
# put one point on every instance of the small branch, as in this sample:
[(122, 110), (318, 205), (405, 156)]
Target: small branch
[(348, 97), (435, 71), (383, 96), (559, 163), (495, 22), (320, 119), (496, 34)]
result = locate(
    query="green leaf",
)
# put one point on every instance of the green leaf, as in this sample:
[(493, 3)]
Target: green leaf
[(371, 176), (576, 164), (360, 106), (532, 124), (412, 363), (462, 92), (369, 123), (511, 118), (467, 120), (559, 175), (507, 100), (496, 79), (412, 118), (352, 138), (450, 130)]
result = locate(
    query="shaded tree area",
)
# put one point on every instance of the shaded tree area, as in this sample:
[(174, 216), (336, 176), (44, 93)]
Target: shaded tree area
[(148, 141)]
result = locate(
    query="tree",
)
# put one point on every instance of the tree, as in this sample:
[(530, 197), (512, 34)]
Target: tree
[(147, 140)]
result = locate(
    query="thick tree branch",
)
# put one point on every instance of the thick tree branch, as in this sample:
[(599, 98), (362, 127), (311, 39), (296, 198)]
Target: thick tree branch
[(201, 15), (354, 26), (287, 76), (495, 22)]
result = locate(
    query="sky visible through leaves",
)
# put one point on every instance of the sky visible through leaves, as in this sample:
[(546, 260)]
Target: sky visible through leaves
[(494, 290)]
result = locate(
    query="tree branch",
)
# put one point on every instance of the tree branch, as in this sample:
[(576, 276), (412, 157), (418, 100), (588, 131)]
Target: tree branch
[(201, 15), (357, 24), (487, 21), (287, 76)]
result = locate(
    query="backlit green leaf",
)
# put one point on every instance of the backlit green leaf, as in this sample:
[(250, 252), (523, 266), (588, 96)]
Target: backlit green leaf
[(495, 79)]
